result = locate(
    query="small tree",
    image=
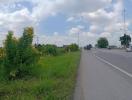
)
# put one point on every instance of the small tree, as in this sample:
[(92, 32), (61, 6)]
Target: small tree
[(72, 47), (10, 54), (27, 55), (102, 42), (20, 54), (25, 48), (125, 40)]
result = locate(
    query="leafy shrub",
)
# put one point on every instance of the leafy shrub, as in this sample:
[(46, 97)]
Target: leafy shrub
[(72, 48), (61, 50), (47, 49), (51, 50), (10, 51), (19, 54)]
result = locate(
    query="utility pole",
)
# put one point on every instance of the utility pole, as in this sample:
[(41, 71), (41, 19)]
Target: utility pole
[(37, 40), (78, 40), (124, 25), (124, 15)]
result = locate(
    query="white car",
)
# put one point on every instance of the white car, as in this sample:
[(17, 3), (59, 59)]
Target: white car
[(129, 49)]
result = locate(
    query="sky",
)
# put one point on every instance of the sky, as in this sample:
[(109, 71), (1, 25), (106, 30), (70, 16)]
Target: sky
[(60, 21)]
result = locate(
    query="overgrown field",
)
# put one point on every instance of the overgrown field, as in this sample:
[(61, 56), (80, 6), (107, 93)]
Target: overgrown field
[(54, 80)]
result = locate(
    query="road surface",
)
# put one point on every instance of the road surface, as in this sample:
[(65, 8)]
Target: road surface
[(104, 75)]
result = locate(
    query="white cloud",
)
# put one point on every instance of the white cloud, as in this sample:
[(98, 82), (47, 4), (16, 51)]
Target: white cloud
[(80, 26), (95, 29), (55, 33), (70, 19), (76, 30), (87, 34), (101, 21), (78, 6), (105, 34), (16, 20), (106, 23)]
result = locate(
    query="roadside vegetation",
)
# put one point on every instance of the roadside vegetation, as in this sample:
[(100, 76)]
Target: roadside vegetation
[(36, 72), (125, 40), (102, 42)]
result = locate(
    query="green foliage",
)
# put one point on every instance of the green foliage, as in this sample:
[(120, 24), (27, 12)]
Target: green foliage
[(27, 54), (125, 40), (72, 48), (51, 50), (102, 42), (48, 49), (61, 50), (10, 54), (19, 54), (55, 81), (2, 54)]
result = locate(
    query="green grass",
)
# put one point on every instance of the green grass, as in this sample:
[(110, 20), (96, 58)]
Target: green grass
[(55, 80)]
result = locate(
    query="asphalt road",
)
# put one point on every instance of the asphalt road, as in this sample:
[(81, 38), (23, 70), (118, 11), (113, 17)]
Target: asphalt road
[(99, 80)]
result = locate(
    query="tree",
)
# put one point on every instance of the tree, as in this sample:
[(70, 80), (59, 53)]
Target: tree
[(25, 48), (19, 54), (102, 42), (125, 40), (10, 54), (27, 55), (72, 47)]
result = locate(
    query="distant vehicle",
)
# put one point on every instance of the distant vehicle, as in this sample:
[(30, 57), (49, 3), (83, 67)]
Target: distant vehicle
[(88, 47), (129, 49)]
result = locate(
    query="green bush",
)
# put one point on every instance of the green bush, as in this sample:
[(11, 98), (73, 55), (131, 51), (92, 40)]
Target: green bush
[(51, 50), (19, 54), (61, 50), (72, 48), (10, 63), (48, 49), (102, 42)]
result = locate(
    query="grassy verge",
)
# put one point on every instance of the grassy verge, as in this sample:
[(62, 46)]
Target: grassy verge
[(55, 80)]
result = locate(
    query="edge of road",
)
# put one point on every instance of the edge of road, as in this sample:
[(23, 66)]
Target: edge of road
[(115, 67), (78, 91)]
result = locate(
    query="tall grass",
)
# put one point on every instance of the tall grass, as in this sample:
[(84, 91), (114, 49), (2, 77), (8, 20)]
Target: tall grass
[(54, 79)]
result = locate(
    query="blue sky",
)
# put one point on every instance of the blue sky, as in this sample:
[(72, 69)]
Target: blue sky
[(60, 21)]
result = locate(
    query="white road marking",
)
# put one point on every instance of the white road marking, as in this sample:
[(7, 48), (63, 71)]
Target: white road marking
[(123, 71)]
